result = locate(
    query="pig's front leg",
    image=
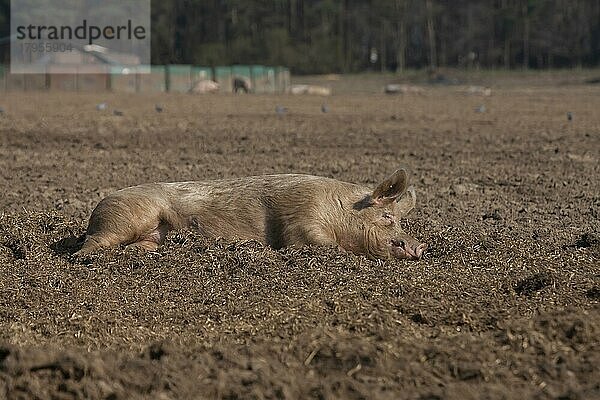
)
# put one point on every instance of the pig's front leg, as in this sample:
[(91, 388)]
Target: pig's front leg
[(321, 237), (327, 240)]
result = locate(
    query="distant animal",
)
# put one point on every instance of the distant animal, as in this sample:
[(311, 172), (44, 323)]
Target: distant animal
[(240, 83), (400, 88), (278, 210), (480, 90), (101, 106), (118, 113), (570, 116), (324, 108), (311, 90), (280, 110), (205, 86), (158, 108)]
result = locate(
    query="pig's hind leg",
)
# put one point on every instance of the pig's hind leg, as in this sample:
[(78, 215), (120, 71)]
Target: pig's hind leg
[(151, 240), (147, 241), (131, 221)]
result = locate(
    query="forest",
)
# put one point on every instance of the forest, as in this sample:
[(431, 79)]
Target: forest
[(341, 36)]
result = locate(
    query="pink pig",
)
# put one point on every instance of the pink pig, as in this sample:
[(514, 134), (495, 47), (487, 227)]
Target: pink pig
[(278, 210)]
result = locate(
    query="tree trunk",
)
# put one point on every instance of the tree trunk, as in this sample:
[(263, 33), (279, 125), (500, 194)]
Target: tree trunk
[(341, 37), (443, 35), (383, 58), (507, 35), (525, 36), (401, 36), (431, 36)]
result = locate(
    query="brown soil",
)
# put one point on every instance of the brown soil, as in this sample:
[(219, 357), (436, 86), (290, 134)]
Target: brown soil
[(504, 305)]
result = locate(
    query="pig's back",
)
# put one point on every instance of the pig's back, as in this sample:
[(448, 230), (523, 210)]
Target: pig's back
[(275, 209)]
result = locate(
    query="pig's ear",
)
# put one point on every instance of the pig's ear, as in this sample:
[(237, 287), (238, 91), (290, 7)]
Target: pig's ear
[(407, 202), (391, 188)]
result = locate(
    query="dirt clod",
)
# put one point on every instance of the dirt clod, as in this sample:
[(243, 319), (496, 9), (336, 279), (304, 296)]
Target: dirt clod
[(533, 283), (587, 240)]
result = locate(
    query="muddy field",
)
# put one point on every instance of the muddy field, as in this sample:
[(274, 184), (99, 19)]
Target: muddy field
[(504, 305)]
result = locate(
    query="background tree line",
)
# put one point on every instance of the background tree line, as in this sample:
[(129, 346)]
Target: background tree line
[(320, 36)]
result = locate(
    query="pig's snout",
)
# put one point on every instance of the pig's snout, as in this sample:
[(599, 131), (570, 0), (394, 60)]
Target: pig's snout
[(420, 250), (408, 249)]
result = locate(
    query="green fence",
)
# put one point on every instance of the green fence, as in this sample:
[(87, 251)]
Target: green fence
[(3, 73), (122, 82), (15, 82), (263, 79), (223, 77), (179, 78), (201, 74), (92, 82), (162, 78), (155, 81), (282, 79)]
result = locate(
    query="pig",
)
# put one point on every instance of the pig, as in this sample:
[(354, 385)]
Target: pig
[(205, 86), (241, 83), (311, 90), (394, 88), (277, 210)]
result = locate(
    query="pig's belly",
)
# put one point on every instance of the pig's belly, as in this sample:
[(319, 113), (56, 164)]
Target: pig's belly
[(229, 228)]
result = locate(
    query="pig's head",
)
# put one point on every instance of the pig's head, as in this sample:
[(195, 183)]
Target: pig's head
[(378, 215)]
